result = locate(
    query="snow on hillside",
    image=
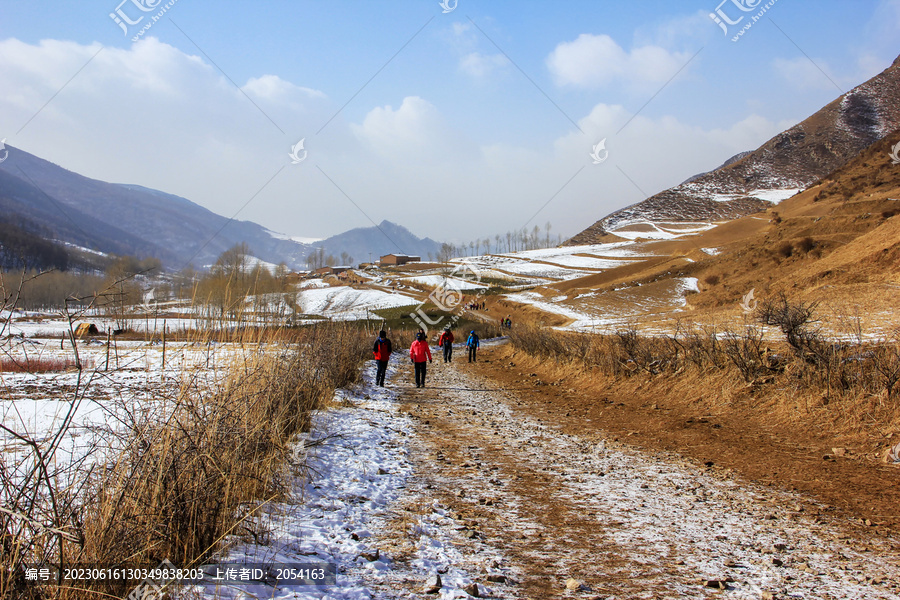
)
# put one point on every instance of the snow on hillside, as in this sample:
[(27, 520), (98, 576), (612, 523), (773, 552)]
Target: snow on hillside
[(658, 230), (611, 310), (293, 238), (450, 283), (312, 283), (346, 303), (775, 196)]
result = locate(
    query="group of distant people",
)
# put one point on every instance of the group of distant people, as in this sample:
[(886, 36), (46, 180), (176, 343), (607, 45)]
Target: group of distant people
[(506, 323), (420, 353), (476, 305)]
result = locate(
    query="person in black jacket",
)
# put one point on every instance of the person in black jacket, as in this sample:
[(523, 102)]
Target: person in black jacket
[(382, 351), (446, 342)]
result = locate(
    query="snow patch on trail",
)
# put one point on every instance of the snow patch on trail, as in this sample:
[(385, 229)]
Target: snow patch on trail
[(358, 468)]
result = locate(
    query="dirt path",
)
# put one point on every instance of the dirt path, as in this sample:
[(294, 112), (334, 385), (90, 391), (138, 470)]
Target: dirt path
[(527, 507)]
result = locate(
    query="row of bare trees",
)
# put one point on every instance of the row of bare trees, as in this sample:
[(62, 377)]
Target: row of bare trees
[(513, 241)]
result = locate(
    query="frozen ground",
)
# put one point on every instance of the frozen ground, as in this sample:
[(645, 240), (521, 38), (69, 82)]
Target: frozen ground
[(448, 283), (608, 311), (458, 480)]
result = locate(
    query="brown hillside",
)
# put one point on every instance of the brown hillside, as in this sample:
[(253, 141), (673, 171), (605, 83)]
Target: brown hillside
[(793, 159), (839, 239), (837, 242)]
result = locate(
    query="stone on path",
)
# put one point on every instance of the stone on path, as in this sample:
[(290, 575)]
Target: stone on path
[(433, 584)]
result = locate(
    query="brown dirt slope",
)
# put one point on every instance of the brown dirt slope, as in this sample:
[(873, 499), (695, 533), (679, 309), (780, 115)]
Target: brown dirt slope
[(842, 233)]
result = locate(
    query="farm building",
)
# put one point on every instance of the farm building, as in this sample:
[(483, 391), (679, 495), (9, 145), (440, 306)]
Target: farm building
[(398, 259)]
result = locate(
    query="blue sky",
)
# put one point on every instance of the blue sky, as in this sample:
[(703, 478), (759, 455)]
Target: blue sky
[(456, 125)]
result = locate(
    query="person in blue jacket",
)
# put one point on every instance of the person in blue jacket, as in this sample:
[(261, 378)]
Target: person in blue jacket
[(472, 345)]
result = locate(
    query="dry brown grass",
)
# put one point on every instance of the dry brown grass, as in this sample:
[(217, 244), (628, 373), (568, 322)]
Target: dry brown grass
[(36, 364), (851, 388), (182, 484)]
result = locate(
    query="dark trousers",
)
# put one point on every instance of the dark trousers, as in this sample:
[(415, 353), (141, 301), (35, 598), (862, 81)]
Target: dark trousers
[(472, 350), (448, 352), (381, 369), (420, 373)]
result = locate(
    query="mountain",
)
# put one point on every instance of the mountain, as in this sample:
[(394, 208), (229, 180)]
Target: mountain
[(128, 219), (44, 200), (789, 162), (364, 243)]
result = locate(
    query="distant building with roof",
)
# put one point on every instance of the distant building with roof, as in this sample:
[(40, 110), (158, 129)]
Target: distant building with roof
[(398, 259)]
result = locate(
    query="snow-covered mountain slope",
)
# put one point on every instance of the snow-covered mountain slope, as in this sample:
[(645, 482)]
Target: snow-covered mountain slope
[(791, 161)]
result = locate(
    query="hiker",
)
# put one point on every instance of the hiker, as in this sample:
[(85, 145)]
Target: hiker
[(382, 351), (419, 352), (446, 342), (472, 345)]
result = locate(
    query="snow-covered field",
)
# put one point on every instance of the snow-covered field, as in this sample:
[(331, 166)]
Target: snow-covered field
[(135, 383), (449, 283), (345, 303), (608, 311)]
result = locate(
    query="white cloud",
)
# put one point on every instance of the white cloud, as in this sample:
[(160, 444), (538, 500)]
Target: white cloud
[(272, 87), (411, 130), (592, 61), (803, 73), (482, 66)]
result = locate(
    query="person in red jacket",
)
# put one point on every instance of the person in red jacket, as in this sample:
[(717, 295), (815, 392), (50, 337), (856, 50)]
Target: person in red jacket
[(419, 352), (446, 342), (382, 352)]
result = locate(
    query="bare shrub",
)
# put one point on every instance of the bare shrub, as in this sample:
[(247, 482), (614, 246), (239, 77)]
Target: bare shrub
[(795, 320), (806, 244), (36, 364), (886, 362), (747, 353)]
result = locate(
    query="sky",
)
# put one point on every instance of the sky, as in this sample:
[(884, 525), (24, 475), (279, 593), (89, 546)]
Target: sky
[(458, 120)]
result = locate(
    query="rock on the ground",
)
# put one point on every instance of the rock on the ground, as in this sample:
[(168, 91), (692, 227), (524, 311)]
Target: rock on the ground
[(433, 584), (573, 585)]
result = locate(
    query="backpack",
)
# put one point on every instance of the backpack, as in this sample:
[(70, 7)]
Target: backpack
[(383, 343)]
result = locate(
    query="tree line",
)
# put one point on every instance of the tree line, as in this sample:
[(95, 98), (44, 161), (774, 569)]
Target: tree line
[(516, 240)]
